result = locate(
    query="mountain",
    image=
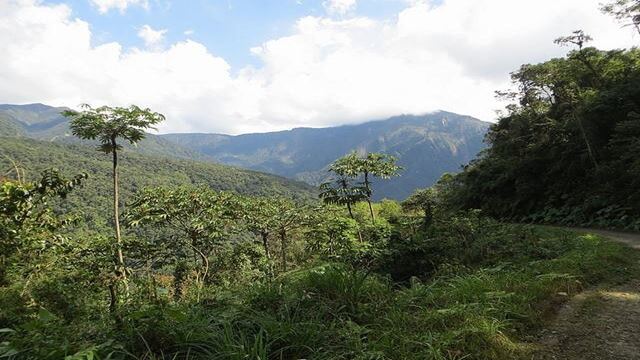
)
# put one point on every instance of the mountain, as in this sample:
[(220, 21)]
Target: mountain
[(427, 146), (43, 122), (136, 171)]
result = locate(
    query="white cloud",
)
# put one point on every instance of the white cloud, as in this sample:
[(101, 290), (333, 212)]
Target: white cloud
[(339, 7), (326, 72), (189, 32), (105, 5), (152, 38)]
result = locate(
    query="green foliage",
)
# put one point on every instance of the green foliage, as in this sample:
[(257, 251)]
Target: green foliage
[(199, 220), (335, 237), (353, 167), (107, 124), (463, 286), (565, 150), (342, 192), (231, 275), (28, 224), (138, 172)]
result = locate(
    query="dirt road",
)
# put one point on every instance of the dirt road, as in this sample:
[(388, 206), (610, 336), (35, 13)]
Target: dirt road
[(602, 323)]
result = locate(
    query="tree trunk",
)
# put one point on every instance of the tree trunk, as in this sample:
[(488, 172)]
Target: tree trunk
[(204, 270), (369, 192), (350, 212), (121, 272), (373, 218), (265, 244), (113, 299), (3, 271), (113, 305)]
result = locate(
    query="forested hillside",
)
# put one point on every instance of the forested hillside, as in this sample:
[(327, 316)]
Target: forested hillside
[(568, 148), (427, 146), (139, 171)]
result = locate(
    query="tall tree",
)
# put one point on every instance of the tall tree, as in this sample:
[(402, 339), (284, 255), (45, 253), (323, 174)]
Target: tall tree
[(579, 39), (379, 165), (354, 166), (108, 125)]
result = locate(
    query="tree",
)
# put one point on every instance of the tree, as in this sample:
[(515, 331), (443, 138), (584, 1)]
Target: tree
[(265, 216), (259, 215), (565, 150), (579, 38), (626, 11), (379, 165), (353, 166), (289, 216), (203, 218), (108, 125), (26, 217)]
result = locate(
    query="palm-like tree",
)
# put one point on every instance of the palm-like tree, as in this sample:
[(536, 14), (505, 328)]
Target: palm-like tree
[(379, 165), (354, 166), (108, 125), (341, 192)]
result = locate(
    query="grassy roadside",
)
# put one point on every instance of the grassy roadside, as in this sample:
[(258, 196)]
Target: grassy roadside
[(482, 310), (335, 312)]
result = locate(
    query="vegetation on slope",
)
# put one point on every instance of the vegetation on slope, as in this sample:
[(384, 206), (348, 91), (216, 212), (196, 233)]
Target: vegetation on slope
[(451, 140), (567, 149), (465, 287), (138, 171)]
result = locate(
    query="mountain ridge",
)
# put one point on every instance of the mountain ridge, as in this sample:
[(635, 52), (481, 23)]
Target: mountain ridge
[(449, 140), (426, 145), (330, 127)]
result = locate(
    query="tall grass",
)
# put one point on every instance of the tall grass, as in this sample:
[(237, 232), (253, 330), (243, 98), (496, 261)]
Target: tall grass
[(335, 311)]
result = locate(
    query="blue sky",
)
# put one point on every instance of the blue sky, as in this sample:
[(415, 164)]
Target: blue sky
[(264, 65), (228, 28)]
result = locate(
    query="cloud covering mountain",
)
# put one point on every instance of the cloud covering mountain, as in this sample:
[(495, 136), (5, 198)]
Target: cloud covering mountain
[(450, 54)]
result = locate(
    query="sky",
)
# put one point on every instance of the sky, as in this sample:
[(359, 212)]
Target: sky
[(240, 66)]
